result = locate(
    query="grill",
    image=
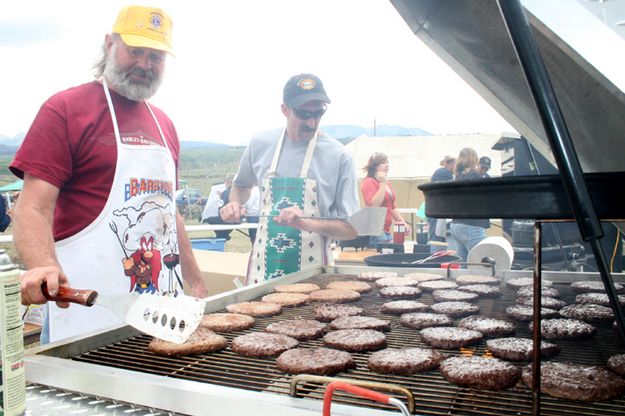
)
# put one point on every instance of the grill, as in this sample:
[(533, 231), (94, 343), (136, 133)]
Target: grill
[(433, 395)]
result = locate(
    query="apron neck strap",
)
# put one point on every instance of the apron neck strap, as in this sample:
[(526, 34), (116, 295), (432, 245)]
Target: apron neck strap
[(310, 149), (111, 110)]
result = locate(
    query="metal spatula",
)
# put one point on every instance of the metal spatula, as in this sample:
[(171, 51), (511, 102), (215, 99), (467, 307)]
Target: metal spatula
[(167, 317), (433, 256), (366, 221)]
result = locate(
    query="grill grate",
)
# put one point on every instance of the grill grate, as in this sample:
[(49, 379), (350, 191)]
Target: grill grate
[(433, 394)]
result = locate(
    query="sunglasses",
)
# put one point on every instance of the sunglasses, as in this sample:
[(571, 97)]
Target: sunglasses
[(306, 115)]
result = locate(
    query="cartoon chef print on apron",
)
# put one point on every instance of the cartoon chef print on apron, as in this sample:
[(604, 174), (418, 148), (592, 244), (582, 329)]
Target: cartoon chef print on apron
[(279, 249), (132, 245)]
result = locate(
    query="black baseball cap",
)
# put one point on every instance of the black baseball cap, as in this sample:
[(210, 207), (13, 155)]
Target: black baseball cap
[(303, 88), (485, 161)]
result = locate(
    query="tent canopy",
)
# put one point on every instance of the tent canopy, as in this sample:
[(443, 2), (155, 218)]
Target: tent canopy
[(417, 157), (14, 186)]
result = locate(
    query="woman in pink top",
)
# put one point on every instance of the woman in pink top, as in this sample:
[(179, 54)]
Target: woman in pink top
[(377, 192)]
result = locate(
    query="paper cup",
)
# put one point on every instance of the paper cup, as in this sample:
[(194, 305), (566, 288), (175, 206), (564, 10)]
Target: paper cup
[(408, 246)]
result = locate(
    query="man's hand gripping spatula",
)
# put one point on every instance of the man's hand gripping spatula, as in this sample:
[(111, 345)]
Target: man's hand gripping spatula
[(167, 317)]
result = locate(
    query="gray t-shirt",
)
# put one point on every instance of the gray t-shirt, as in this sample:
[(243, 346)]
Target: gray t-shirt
[(331, 166)]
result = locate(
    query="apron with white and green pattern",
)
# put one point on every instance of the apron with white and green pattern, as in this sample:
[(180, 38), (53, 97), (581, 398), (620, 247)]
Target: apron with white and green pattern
[(279, 249)]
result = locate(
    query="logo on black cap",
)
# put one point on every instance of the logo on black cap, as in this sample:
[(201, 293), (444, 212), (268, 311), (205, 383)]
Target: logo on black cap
[(303, 88)]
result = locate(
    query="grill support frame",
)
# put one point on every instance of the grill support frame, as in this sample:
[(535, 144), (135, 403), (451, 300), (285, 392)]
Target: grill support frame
[(537, 305)]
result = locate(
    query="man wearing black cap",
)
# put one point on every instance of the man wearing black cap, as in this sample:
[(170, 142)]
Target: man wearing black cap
[(302, 173), (484, 167)]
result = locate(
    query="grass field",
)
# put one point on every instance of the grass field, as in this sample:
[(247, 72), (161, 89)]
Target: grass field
[(203, 168), (199, 168)]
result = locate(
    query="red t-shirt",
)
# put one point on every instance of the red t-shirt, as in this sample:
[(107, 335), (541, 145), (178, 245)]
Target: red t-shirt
[(369, 188), (71, 145)]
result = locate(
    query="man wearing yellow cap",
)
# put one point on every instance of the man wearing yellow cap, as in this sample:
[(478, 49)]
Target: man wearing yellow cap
[(99, 164)]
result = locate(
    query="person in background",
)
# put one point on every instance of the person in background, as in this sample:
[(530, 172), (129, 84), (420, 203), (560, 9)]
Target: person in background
[(224, 196), (484, 166), (446, 170), (5, 214), (210, 213), (251, 207), (252, 211), (377, 192), (444, 173), (303, 173), (467, 232), (97, 209)]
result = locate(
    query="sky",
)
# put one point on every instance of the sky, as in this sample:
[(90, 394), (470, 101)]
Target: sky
[(232, 59)]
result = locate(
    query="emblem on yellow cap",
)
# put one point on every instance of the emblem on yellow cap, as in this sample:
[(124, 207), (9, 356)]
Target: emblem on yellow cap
[(155, 20), (306, 84)]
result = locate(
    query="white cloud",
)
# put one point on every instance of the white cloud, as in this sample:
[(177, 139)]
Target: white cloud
[(233, 58)]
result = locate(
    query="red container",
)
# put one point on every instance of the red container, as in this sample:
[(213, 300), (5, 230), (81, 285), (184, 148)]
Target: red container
[(453, 266), (399, 233)]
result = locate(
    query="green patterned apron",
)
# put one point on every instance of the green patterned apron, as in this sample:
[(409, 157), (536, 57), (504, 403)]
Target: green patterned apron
[(278, 249)]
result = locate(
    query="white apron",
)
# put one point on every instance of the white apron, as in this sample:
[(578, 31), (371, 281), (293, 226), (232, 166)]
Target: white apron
[(279, 250), (137, 225)]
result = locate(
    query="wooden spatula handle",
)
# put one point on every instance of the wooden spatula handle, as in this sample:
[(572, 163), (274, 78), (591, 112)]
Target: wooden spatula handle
[(83, 297)]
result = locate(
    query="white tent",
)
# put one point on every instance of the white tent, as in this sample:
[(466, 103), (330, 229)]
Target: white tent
[(413, 159)]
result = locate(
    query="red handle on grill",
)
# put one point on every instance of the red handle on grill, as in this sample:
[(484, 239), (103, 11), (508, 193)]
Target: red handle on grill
[(350, 388), (83, 297)]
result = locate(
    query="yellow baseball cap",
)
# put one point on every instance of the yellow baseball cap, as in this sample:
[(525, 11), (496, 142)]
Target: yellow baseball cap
[(144, 27)]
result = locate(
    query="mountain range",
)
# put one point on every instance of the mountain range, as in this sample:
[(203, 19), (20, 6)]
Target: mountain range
[(8, 145), (343, 132), (346, 131)]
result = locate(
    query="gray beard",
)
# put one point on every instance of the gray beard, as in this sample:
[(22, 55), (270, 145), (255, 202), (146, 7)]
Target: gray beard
[(118, 79)]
